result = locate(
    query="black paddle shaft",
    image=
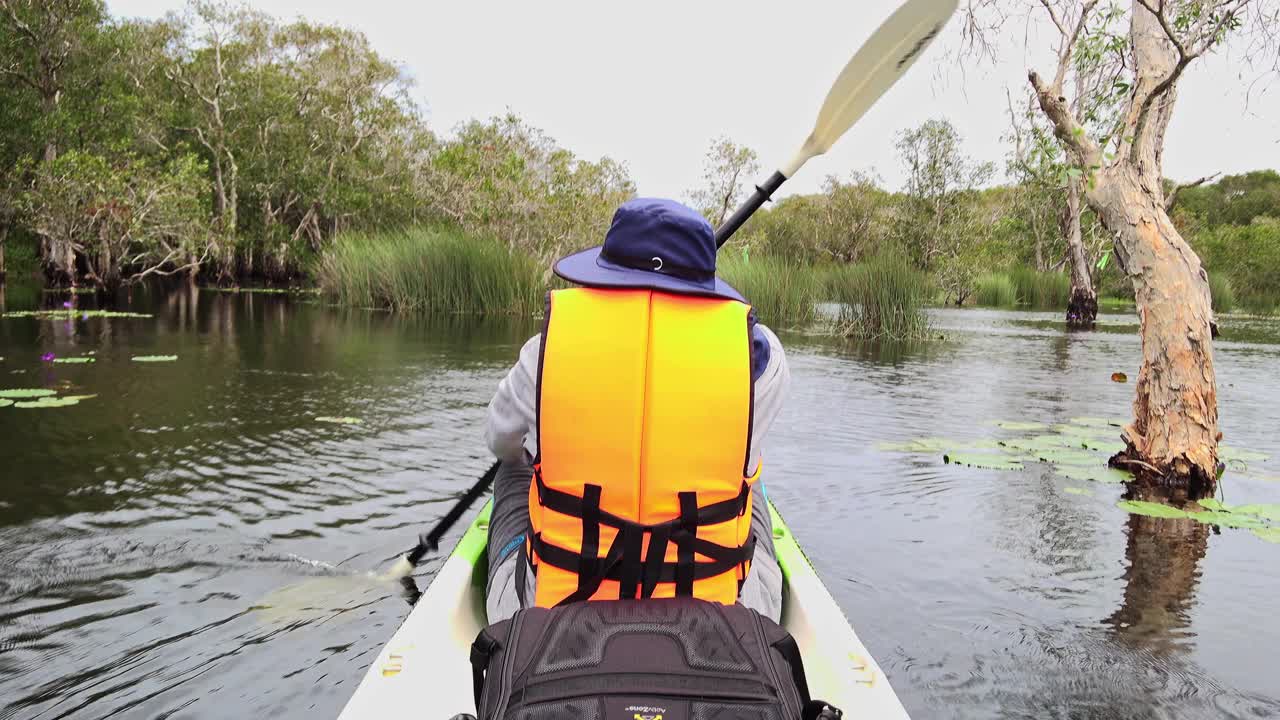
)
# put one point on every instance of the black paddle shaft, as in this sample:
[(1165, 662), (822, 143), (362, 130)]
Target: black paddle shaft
[(753, 203), (430, 541)]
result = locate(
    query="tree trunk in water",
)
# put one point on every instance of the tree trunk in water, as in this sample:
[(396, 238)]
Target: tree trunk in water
[(1174, 436), (1082, 308)]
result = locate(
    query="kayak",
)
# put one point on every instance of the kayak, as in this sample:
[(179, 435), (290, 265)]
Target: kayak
[(426, 664)]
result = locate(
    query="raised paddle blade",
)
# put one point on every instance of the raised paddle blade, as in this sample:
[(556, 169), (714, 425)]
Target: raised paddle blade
[(891, 50)]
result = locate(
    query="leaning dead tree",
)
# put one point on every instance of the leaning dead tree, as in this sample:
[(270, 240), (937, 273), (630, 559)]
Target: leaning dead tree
[(1173, 439)]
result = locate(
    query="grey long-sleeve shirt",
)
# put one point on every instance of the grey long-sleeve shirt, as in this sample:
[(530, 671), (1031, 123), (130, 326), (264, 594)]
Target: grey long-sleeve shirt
[(512, 426)]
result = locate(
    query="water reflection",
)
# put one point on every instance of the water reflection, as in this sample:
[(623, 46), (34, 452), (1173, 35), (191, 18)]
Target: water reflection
[(1163, 569)]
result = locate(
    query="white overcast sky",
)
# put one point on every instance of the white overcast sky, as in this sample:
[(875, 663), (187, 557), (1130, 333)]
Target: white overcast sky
[(651, 83)]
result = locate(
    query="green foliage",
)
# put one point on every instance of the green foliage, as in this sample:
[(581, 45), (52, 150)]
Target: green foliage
[(881, 298), (1041, 290), (850, 219), (433, 269), (1221, 293), (996, 290), (125, 218), (783, 292), (1248, 257)]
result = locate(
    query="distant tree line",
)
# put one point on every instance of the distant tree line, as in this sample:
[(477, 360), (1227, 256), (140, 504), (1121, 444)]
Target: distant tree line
[(221, 143)]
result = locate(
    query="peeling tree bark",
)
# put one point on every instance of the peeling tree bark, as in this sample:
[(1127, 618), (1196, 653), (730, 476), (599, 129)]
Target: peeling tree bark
[(1173, 439), (1082, 308)]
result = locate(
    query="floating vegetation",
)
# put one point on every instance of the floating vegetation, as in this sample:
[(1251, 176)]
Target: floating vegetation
[(1110, 447), (73, 360), (27, 393), (1020, 426), (979, 460), (1064, 456), (1097, 422), (266, 290), (340, 420), (1256, 518), (920, 445), (53, 402), (1119, 377), (1107, 475), (154, 358), (1077, 491), (1230, 453), (1151, 509), (5, 402), (72, 314)]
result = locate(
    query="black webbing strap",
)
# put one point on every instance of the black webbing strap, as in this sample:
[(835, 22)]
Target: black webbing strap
[(481, 652), (684, 543), (654, 561), (723, 560), (632, 540), (589, 558), (572, 505)]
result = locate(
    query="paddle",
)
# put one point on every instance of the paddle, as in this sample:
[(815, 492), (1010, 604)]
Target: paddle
[(878, 64), (430, 541)]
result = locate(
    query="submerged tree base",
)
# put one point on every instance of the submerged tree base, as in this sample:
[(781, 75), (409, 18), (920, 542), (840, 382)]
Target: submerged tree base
[(1181, 478), (1082, 309)]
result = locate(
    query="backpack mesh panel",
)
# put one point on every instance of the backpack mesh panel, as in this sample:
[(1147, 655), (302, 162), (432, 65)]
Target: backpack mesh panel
[(580, 638), (588, 709), (719, 711)]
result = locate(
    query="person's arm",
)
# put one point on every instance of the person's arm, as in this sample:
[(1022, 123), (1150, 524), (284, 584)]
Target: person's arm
[(513, 409), (772, 387)]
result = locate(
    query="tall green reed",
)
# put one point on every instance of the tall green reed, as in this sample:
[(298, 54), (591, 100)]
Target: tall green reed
[(433, 269), (881, 298)]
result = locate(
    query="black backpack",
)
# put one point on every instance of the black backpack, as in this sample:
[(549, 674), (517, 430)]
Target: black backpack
[(675, 659)]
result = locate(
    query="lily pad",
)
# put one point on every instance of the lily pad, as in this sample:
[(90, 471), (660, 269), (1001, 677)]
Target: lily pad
[(1271, 535), (1229, 453), (340, 420), (5, 402), (1077, 491), (1227, 519), (74, 360), (72, 314), (921, 445), (1106, 475), (1150, 509), (1211, 504), (1067, 456), (27, 393), (987, 461), (1097, 422), (1109, 447), (1020, 426), (1041, 442), (155, 358), (48, 402)]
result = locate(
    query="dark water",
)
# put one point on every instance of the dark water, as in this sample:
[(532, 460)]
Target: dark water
[(140, 528)]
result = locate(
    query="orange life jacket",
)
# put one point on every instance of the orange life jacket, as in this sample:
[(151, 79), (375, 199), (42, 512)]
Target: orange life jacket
[(644, 420)]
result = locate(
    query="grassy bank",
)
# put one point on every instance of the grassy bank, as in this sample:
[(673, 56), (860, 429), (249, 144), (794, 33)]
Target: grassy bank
[(880, 298), (432, 269)]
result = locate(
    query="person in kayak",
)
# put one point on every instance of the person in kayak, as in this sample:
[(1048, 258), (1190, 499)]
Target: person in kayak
[(629, 430)]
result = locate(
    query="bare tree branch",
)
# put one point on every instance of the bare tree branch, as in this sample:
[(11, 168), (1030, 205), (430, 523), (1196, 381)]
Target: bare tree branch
[(1173, 194)]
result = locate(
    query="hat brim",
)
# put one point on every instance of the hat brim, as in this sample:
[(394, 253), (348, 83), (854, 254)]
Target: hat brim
[(589, 269)]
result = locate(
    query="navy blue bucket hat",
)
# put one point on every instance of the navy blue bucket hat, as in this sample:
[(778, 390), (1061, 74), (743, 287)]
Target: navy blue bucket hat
[(656, 244)]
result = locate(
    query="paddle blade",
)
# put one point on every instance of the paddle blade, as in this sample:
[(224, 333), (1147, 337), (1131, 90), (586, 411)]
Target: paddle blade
[(885, 57), (402, 569)]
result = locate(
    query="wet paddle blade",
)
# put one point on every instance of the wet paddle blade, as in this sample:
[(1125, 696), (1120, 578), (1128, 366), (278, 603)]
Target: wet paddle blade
[(885, 57)]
